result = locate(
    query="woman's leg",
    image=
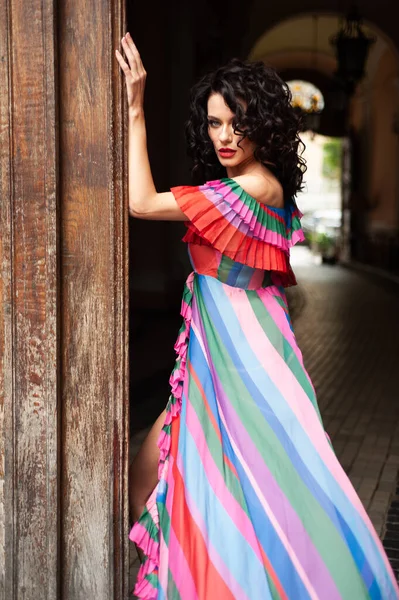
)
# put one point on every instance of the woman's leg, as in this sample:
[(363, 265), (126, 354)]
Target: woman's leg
[(143, 473)]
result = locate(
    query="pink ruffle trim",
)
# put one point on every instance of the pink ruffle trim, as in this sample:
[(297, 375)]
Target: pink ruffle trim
[(143, 587), (147, 538)]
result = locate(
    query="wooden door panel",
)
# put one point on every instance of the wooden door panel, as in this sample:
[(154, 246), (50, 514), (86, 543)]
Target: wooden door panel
[(94, 295), (29, 199), (64, 303)]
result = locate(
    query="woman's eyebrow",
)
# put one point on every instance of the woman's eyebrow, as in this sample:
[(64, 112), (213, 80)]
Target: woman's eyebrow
[(217, 118)]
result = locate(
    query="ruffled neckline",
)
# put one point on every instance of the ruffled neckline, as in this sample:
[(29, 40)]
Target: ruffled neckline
[(237, 188), (279, 226), (223, 215)]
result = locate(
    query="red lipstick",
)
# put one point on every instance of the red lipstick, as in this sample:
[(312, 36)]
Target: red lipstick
[(226, 152)]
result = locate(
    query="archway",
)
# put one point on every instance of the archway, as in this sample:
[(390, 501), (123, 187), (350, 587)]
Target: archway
[(299, 47)]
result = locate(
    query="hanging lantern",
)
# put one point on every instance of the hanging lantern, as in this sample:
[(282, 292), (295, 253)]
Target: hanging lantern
[(313, 116), (352, 47), (308, 101)]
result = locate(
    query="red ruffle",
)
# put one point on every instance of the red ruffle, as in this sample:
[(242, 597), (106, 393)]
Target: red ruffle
[(209, 226)]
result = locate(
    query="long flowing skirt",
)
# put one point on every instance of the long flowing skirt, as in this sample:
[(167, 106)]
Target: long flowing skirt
[(252, 503)]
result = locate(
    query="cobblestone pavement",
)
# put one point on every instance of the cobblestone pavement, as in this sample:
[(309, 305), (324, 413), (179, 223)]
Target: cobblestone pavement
[(347, 327), (348, 331)]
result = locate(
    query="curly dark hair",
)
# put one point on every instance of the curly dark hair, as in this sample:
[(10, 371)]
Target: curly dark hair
[(269, 120)]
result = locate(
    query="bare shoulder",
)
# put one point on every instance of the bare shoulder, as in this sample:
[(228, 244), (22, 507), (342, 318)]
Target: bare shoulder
[(266, 190)]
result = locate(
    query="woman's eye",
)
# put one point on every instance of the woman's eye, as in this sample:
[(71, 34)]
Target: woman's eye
[(213, 123)]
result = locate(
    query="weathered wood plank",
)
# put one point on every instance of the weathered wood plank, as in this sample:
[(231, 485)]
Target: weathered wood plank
[(120, 227), (5, 288), (29, 300), (94, 299)]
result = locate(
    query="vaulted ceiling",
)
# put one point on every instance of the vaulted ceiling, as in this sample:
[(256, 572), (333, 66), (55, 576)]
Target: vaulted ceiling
[(304, 42), (262, 16)]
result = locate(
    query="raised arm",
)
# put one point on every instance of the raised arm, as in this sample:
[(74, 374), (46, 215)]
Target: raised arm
[(144, 200)]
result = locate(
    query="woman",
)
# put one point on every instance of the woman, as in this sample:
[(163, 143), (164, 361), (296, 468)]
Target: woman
[(236, 493)]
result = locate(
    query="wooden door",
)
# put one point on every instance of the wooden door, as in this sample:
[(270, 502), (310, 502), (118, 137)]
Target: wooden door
[(64, 303)]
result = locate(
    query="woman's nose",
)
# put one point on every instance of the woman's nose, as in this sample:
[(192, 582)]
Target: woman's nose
[(226, 135)]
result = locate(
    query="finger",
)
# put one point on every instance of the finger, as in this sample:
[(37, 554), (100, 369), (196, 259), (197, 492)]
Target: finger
[(124, 66), (135, 52), (130, 57)]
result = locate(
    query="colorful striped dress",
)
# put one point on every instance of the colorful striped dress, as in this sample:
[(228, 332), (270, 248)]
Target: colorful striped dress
[(251, 502)]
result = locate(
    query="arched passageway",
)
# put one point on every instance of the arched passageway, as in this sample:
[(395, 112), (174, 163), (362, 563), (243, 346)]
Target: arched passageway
[(300, 47)]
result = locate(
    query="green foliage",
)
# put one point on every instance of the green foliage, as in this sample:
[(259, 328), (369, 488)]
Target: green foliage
[(332, 151), (324, 241)]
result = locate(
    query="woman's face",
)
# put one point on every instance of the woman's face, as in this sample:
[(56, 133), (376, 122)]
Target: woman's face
[(225, 141)]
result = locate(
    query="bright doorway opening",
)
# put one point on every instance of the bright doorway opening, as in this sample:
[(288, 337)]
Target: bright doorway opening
[(321, 200)]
